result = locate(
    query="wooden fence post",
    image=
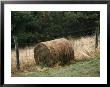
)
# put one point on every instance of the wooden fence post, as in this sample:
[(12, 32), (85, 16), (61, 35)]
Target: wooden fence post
[(96, 37), (17, 53)]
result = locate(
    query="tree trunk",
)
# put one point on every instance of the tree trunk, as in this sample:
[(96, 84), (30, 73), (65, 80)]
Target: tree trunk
[(17, 53)]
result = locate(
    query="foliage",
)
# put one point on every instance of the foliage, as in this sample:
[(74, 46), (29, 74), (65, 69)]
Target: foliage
[(36, 26)]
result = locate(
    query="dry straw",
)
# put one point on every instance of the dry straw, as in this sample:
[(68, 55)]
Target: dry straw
[(84, 48), (50, 53)]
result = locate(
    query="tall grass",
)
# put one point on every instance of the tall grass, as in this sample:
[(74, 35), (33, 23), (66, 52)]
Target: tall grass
[(84, 48), (26, 57)]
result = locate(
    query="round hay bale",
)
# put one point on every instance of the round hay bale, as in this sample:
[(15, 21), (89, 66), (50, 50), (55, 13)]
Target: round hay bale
[(49, 53)]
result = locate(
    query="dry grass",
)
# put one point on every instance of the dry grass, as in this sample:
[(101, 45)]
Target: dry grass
[(26, 56), (84, 48)]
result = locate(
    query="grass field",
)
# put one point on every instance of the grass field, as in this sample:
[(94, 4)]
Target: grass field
[(85, 68), (87, 61)]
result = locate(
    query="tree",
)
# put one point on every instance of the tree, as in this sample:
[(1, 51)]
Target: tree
[(37, 26)]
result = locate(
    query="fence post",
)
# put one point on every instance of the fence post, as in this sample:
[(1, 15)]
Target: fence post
[(17, 53), (96, 37)]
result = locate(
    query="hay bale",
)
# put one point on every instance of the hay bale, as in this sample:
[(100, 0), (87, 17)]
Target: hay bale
[(49, 53)]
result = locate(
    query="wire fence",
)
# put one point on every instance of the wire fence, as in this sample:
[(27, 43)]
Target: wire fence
[(83, 47)]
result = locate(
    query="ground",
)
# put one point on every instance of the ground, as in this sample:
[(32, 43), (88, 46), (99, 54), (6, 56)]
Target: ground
[(84, 68), (87, 61)]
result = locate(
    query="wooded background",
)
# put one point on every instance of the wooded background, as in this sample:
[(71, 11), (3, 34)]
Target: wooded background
[(31, 27)]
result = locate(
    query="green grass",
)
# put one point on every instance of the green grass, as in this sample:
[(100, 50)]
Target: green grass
[(84, 68)]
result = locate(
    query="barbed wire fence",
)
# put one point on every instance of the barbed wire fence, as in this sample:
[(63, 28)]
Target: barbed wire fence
[(18, 53)]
